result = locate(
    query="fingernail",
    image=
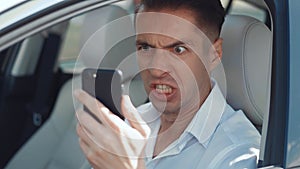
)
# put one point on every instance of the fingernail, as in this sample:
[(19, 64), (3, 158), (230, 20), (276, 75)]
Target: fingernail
[(126, 97), (104, 110)]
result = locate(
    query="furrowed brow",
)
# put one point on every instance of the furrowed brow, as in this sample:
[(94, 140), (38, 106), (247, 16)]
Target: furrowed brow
[(172, 45)]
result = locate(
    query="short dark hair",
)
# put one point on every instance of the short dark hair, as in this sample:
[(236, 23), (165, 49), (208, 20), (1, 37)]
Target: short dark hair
[(209, 13)]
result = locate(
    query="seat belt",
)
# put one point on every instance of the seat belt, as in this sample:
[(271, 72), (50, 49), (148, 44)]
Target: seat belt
[(38, 108)]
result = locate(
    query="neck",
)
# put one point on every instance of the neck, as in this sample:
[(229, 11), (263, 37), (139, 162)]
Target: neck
[(173, 125), (178, 121), (170, 129)]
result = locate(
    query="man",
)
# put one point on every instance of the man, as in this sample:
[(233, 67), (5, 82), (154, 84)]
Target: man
[(187, 124)]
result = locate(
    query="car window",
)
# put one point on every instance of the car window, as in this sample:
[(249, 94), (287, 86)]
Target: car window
[(12, 16), (240, 7), (28, 56), (6, 4), (71, 45), (244, 8)]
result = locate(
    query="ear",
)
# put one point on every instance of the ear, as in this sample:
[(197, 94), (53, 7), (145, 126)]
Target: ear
[(216, 53), (218, 47)]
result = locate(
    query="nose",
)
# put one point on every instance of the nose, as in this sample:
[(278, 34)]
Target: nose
[(158, 65), (157, 73)]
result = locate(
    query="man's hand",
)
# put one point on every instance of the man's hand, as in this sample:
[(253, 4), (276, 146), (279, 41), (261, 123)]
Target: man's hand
[(112, 144)]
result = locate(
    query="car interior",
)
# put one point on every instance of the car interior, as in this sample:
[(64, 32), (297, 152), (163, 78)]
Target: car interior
[(44, 136)]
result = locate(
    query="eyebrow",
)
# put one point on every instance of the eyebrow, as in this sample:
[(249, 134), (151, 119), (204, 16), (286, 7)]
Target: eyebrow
[(172, 45)]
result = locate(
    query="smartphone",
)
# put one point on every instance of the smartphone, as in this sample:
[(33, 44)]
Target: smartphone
[(105, 85)]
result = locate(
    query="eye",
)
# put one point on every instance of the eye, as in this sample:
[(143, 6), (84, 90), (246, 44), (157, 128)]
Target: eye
[(144, 47), (179, 49)]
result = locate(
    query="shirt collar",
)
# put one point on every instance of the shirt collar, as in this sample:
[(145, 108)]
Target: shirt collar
[(201, 127), (208, 116)]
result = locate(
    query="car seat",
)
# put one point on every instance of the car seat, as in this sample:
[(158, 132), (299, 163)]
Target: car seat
[(247, 55)]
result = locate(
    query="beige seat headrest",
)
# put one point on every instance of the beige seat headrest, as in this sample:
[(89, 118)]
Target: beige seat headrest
[(247, 64)]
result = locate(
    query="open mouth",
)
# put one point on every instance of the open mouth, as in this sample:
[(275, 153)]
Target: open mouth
[(163, 89), (163, 92)]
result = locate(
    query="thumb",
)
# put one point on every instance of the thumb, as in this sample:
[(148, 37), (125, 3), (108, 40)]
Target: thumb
[(133, 117)]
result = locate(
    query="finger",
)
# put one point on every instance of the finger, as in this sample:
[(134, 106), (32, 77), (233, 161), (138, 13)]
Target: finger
[(114, 122), (134, 118), (104, 140), (85, 143), (84, 136), (81, 121), (99, 110), (95, 159), (92, 104), (85, 148), (91, 127)]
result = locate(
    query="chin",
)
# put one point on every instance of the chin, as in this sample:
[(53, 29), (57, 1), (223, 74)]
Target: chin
[(165, 108)]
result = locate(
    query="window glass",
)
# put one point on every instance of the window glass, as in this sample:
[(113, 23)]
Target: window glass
[(225, 3), (71, 45), (6, 4), (23, 11), (240, 7), (28, 56), (70, 49)]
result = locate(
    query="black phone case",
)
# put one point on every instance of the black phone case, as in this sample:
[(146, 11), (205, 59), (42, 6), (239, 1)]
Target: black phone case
[(105, 85)]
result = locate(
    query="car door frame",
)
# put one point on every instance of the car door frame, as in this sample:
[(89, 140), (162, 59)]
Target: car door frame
[(283, 104)]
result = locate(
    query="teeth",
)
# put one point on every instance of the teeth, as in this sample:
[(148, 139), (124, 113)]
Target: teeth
[(163, 89)]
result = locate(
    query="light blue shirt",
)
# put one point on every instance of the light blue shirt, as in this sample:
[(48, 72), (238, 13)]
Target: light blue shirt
[(217, 138)]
